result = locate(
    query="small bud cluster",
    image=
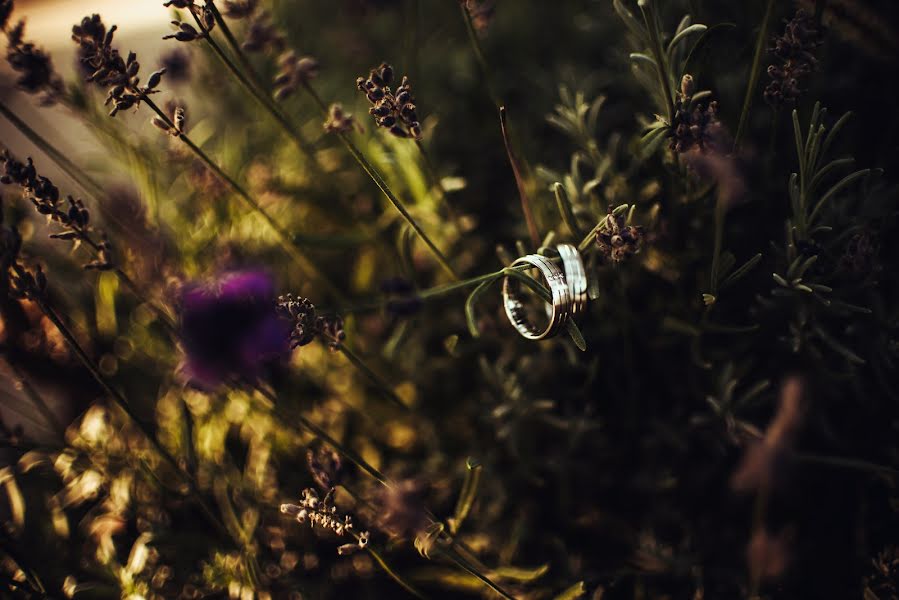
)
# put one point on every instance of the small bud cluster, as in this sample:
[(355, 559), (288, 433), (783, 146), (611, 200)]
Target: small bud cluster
[(324, 465), (109, 69), (239, 9), (73, 216), (695, 125), (35, 69), (27, 283), (340, 121), (174, 126), (393, 110), (795, 50), (293, 72), (307, 325), (262, 35), (618, 241), (323, 513), (185, 32)]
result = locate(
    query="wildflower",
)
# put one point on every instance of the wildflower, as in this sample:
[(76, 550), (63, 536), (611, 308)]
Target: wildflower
[(340, 121), (322, 512), (618, 241), (765, 459), (392, 110), (695, 124), (262, 35), (293, 73), (36, 72), (307, 325), (795, 50), (239, 9), (175, 125), (73, 216), (109, 68), (229, 328), (185, 32)]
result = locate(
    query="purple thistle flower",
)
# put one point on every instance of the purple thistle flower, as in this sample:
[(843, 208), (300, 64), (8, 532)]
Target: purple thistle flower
[(230, 329)]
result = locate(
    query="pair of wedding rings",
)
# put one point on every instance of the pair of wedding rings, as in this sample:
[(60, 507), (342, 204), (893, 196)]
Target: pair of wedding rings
[(568, 287)]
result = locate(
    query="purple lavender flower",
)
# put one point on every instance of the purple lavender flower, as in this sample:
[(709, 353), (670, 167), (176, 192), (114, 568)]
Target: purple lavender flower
[(230, 329)]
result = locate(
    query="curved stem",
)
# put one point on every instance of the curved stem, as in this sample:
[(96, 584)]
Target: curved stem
[(379, 383)]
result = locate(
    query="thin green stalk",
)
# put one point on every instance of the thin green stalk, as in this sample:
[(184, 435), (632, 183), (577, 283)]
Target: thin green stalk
[(379, 181), (479, 54), (754, 72), (287, 241), (435, 183), (519, 182), (125, 406), (382, 385)]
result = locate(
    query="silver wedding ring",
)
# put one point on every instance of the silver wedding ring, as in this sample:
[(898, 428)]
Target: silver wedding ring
[(575, 277), (567, 286), (558, 310)]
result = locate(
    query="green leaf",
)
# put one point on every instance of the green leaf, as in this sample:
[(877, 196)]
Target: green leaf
[(838, 347), (522, 575), (630, 21), (836, 189), (841, 122), (467, 495), (574, 592), (834, 164), (565, 210), (742, 270), (470, 302), (576, 336), (692, 29)]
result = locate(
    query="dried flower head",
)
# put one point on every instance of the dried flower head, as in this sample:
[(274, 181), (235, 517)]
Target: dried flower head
[(230, 329), (35, 69), (6, 7), (695, 124), (340, 121), (293, 72), (72, 216), (262, 35), (109, 69), (618, 241), (324, 465), (239, 9), (795, 51), (323, 513), (185, 32), (392, 110), (174, 126), (307, 325)]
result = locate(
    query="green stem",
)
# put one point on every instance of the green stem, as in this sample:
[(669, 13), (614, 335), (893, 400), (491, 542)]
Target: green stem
[(519, 182), (436, 184), (382, 385), (287, 240), (379, 181), (754, 72)]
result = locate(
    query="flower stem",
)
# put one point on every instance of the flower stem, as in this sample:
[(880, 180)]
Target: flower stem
[(479, 54), (287, 240), (519, 181), (379, 181), (754, 73), (652, 25)]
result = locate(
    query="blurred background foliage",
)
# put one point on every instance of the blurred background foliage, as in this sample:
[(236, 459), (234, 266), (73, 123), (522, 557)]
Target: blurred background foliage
[(726, 433)]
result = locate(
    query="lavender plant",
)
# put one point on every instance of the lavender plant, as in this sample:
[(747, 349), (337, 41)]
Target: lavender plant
[(289, 396)]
